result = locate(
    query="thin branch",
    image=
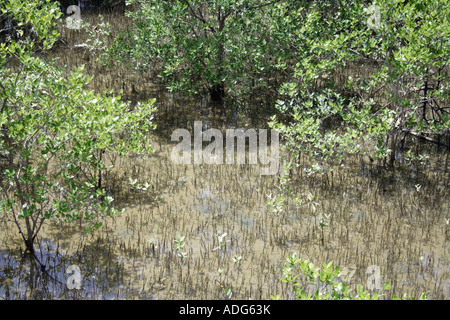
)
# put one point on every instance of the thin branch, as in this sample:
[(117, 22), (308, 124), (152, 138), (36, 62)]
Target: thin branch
[(259, 6), (6, 99), (199, 17), (421, 136)]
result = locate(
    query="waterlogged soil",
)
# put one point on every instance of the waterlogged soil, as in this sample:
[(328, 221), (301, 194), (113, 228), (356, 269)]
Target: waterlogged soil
[(233, 244), (233, 241)]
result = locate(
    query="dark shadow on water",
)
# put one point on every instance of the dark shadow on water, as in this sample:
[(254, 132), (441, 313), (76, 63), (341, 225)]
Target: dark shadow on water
[(48, 276), (180, 111)]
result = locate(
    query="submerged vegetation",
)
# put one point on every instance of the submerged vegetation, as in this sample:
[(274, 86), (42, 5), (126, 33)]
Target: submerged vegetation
[(358, 90)]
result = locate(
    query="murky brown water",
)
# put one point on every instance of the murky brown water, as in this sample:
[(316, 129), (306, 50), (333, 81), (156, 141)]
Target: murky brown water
[(392, 219)]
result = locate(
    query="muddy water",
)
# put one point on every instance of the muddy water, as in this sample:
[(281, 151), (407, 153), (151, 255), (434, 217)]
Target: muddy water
[(234, 243)]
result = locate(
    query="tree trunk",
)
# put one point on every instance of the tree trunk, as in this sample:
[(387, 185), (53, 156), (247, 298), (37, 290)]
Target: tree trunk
[(29, 241), (29, 246), (99, 181), (217, 92), (393, 148)]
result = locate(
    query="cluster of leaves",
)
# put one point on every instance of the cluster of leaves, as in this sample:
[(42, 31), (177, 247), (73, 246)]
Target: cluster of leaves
[(239, 45), (179, 245), (403, 90), (326, 282), (200, 44), (54, 131)]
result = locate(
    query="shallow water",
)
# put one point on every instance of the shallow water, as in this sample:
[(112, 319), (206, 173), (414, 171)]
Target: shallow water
[(233, 239), (373, 222)]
